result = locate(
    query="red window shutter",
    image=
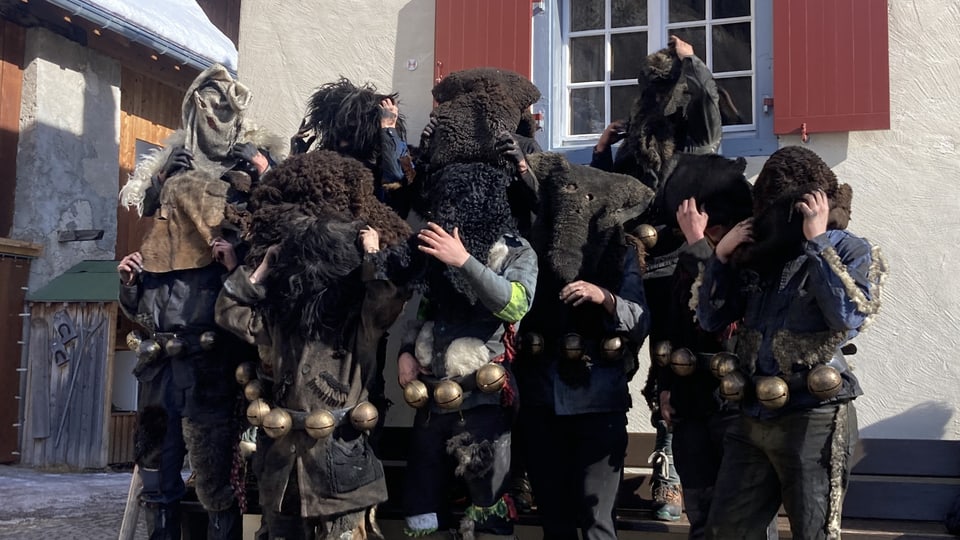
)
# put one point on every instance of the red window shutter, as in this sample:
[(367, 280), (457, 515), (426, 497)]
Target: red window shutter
[(830, 65), (483, 33)]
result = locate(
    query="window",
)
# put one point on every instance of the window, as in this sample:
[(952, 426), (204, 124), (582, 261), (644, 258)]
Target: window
[(587, 55)]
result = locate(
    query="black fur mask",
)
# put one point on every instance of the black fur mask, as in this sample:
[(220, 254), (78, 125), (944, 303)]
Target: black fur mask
[(473, 198)]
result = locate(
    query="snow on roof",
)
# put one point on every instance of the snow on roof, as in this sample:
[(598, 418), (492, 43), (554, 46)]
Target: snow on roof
[(181, 22)]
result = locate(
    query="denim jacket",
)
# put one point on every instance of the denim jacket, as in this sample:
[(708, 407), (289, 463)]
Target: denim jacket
[(799, 318)]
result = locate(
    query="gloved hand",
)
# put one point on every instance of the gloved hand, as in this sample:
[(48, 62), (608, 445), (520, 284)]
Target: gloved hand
[(428, 132), (246, 151), (180, 159), (508, 147)]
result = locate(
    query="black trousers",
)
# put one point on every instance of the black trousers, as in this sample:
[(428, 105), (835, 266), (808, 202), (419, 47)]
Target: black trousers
[(433, 460), (801, 460), (575, 464)]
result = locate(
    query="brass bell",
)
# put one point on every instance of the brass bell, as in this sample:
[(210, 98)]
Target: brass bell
[(723, 363), (245, 373), (448, 395), (415, 394), (661, 353), (277, 423), (253, 390), (148, 349), (824, 382), (491, 378), (319, 424), (683, 362), (572, 346), (612, 347), (364, 416), (647, 234), (772, 392), (208, 340), (256, 411), (732, 386), (134, 337), (174, 347), (532, 343)]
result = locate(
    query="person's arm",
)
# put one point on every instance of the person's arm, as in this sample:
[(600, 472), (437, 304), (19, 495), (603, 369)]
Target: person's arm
[(839, 277), (507, 295), (603, 153), (705, 126), (236, 307), (392, 147), (130, 268), (631, 314)]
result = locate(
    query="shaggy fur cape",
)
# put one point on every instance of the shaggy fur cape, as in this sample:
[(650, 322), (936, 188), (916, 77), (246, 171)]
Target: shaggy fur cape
[(314, 205)]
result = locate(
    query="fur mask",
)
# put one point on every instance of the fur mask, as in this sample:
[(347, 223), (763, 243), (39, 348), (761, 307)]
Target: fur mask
[(579, 228), (717, 183), (474, 107), (473, 198), (344, 117), (789, 174)]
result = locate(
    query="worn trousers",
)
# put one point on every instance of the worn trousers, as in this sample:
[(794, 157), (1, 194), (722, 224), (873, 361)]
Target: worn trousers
[(575, 464), (801, 460)]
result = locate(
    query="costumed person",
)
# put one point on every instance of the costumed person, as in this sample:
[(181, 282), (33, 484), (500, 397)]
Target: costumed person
[(360, 122), (579, 344), (802, 287), (454, 364), (709, 202), (196, 190), (481, 127), (313, 301), (674, 120), (677, 110)]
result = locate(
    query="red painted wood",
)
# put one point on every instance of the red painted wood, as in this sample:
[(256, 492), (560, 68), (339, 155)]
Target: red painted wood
[(831, 65), (491, 33)]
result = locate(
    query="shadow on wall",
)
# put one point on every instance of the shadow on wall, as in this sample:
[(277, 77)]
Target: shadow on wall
[(927, 420)]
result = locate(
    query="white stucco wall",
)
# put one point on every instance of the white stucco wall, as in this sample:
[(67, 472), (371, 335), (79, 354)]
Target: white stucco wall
[(906, 180), (288, 48)]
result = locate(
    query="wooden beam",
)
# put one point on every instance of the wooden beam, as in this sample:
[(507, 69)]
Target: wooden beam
[(9, 246)]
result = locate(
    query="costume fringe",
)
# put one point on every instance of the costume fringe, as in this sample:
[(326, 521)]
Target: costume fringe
[(695, 291), (876, 275), (238, 478), (838, 462), (503, 508)]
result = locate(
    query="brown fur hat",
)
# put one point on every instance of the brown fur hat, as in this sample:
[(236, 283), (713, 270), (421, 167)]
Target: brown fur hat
[(473, 107)]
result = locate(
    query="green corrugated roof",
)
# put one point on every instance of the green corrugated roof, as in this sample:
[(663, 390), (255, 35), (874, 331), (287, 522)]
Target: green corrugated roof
[(88, 281)]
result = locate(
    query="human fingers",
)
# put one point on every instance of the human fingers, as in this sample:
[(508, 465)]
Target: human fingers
[(436, 229)]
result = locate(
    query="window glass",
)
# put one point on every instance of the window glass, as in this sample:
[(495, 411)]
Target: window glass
[(731, 47), (627, 51), (586, 15), (687, 10), (586, 59), (628, 13), (586, 111)]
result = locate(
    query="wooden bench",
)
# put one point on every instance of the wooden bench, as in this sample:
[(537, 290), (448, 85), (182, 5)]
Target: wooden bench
[(898, 489)]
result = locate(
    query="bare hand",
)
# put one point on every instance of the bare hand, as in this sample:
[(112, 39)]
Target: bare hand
[(692, 222), (580, 291), (224, 253), (269, 258), (611, 135), (389, 112), (130, 267), (370, 239), (447, 248), (815, 208), (741, 233), (666, 410), (407, 369), (682, 48)]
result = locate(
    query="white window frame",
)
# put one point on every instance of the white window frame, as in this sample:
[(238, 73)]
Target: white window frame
[(551, 64)]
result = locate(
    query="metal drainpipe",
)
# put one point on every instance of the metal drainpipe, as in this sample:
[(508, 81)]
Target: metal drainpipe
[(161, 45)]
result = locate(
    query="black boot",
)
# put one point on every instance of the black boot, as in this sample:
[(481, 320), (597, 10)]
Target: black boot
[(163, 521), (225, 525)]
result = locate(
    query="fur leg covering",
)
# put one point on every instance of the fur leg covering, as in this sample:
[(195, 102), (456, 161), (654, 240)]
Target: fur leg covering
[(211, 448), (151, 430)]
